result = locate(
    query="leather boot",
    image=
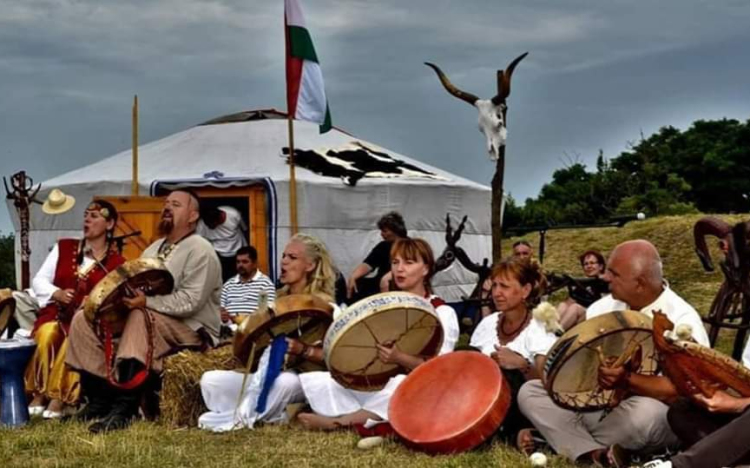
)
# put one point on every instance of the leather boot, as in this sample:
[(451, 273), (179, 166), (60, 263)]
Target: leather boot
[(126, 402), (98, 396)]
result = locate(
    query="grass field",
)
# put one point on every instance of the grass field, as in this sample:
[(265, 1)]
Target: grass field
[(54, 444)]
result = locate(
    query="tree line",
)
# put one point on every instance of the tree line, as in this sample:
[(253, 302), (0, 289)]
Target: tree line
[(705, 168)]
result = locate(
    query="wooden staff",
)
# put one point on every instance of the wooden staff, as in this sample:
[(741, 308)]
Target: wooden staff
[(23, 195), (134, 185), (292, 179)]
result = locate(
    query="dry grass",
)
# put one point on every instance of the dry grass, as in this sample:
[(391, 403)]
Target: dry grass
[(52, 444)]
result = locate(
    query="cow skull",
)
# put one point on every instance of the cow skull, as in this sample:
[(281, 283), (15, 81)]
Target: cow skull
[(492, 112)]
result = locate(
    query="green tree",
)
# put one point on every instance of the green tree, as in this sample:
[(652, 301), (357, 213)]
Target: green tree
[(7, 262)]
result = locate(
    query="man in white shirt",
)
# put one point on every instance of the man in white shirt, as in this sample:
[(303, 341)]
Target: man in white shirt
[(225, 229), (241, 293), (639, 423)]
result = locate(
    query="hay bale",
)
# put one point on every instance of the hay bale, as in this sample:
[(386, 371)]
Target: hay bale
[(181, 402)]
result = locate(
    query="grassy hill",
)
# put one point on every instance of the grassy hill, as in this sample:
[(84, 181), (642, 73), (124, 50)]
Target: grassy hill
[(147, 444)]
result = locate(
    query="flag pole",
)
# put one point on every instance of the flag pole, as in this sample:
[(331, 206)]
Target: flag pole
[(134, 183), (292, 178)]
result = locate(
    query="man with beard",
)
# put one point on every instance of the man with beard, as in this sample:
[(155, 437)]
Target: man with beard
[(186, 318)]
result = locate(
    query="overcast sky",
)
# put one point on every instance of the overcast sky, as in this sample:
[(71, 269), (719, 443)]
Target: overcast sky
[(598, 74)]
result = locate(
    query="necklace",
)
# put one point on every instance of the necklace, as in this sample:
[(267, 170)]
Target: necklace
[(501, 325)]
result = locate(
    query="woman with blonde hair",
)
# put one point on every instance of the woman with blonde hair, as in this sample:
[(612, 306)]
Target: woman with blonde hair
[(334, 406), (306, 268)]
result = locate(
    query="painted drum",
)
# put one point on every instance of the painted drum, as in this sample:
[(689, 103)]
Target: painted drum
[(401, 319), (451, 403)]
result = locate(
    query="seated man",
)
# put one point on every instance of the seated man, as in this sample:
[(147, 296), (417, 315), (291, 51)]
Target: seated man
[(186, 318), (241, 293), (638, 423), (713, 430)]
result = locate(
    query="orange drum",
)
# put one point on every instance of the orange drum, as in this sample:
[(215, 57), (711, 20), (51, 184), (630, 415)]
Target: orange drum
[(451, 403)]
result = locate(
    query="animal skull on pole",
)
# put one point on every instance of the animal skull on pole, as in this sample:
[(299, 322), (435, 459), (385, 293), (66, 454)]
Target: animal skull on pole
[(493, 124)]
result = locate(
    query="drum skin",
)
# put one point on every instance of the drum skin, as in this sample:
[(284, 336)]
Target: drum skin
[(571, 370), (7, 308), (302, 316), (104, 302), (451, 403), (400, 319)]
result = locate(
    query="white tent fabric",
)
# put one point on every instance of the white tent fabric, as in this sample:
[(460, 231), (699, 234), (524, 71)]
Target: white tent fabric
[(249, 151)]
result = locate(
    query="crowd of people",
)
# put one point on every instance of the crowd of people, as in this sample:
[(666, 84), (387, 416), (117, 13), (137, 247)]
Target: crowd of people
[(75, 363)]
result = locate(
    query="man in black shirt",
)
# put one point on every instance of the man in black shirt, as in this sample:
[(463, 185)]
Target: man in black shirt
[(391, 227)]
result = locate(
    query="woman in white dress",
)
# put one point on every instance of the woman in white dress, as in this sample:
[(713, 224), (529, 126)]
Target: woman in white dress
[(306, 268), (335, 407), (512, 336)]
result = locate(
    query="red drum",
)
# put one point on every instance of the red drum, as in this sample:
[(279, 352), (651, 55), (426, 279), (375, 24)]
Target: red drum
[(451, 403)]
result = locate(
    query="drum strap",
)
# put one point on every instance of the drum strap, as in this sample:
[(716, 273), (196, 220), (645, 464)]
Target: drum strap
[(109, 355)]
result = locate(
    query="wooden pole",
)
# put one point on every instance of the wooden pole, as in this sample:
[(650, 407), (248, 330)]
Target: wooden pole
[(134, 186), (292, 179)]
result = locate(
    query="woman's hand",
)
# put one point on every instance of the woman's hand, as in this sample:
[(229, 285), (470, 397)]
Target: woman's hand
[(63, 296), (508, 359), (295, 347), (389, 354)]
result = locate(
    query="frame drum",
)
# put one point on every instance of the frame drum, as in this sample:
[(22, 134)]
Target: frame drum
[(104, 302), (401, 319), (571, 370), (305, 317), (451, 403)]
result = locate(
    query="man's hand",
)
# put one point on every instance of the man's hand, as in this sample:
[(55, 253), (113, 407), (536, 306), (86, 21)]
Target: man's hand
[(351, 287), (612, 377), (225, 318), (63, 296), (722, 402), (508, 359), (137, 302)]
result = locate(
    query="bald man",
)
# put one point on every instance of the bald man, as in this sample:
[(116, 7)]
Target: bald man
[(188, 317), (639, 423)]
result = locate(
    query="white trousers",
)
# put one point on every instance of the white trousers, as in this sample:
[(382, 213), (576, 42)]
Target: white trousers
[(221, 391)]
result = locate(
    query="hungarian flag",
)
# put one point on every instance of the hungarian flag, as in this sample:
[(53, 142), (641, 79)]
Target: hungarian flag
[(305, 94)]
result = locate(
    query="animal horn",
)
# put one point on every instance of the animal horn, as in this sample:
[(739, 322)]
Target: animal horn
[(503, 80), (708, 226), (464, 96)]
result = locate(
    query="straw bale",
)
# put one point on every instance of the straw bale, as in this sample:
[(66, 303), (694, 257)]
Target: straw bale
[(181, 402)]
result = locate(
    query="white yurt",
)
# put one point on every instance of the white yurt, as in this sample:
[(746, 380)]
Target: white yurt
[(246, 151)]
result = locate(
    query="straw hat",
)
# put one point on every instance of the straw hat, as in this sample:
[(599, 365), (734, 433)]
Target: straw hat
[(57, 202)]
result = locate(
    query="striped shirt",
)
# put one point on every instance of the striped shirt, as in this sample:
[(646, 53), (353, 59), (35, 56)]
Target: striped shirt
[(239, 297)]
